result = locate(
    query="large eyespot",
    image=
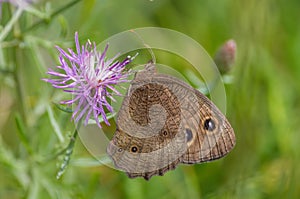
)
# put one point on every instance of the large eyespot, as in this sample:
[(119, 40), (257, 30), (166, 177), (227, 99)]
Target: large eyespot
[(134, 149), (209, 124)]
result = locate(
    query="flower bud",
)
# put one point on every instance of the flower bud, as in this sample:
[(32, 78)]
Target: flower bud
[(225, 56)]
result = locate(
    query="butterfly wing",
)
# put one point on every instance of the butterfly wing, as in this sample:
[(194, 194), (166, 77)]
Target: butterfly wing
[(213, 136), (163, 121), (147, 141)]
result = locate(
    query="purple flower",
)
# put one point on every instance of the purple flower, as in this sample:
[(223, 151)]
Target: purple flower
[(90, 78)]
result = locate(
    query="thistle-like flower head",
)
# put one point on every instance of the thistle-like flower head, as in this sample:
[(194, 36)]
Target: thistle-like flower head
[(90, 77)]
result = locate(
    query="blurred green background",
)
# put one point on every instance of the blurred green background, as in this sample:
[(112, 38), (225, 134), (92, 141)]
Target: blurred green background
[(263, 102)]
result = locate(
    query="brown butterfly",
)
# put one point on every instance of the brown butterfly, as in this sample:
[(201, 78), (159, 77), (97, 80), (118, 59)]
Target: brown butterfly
[(163, 122)]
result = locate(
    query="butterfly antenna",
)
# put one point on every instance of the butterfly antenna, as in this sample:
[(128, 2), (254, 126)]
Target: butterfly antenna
[(153, 58)]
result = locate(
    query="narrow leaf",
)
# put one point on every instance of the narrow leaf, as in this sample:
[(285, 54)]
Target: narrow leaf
[(21, 133), (55, 125)]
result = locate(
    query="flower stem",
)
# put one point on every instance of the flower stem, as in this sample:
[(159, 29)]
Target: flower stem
[(44, 21)]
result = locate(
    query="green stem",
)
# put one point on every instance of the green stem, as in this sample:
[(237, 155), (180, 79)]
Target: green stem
[(6, 72), (45, 21), (68, 153), (22, 134), (10, 24), (18, 83), (9, 44), (55, 125)]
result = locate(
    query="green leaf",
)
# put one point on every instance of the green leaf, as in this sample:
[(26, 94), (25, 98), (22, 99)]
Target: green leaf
[(67, 157), (55, 125), (63, 108), (21, 133)]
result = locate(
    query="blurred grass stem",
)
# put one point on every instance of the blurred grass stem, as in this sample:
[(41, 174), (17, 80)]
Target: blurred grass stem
[(10, 24), (58, 11)]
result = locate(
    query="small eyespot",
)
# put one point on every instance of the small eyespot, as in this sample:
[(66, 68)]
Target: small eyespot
[(134, 149), (120, 150), (165, 133), (209, 124)]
